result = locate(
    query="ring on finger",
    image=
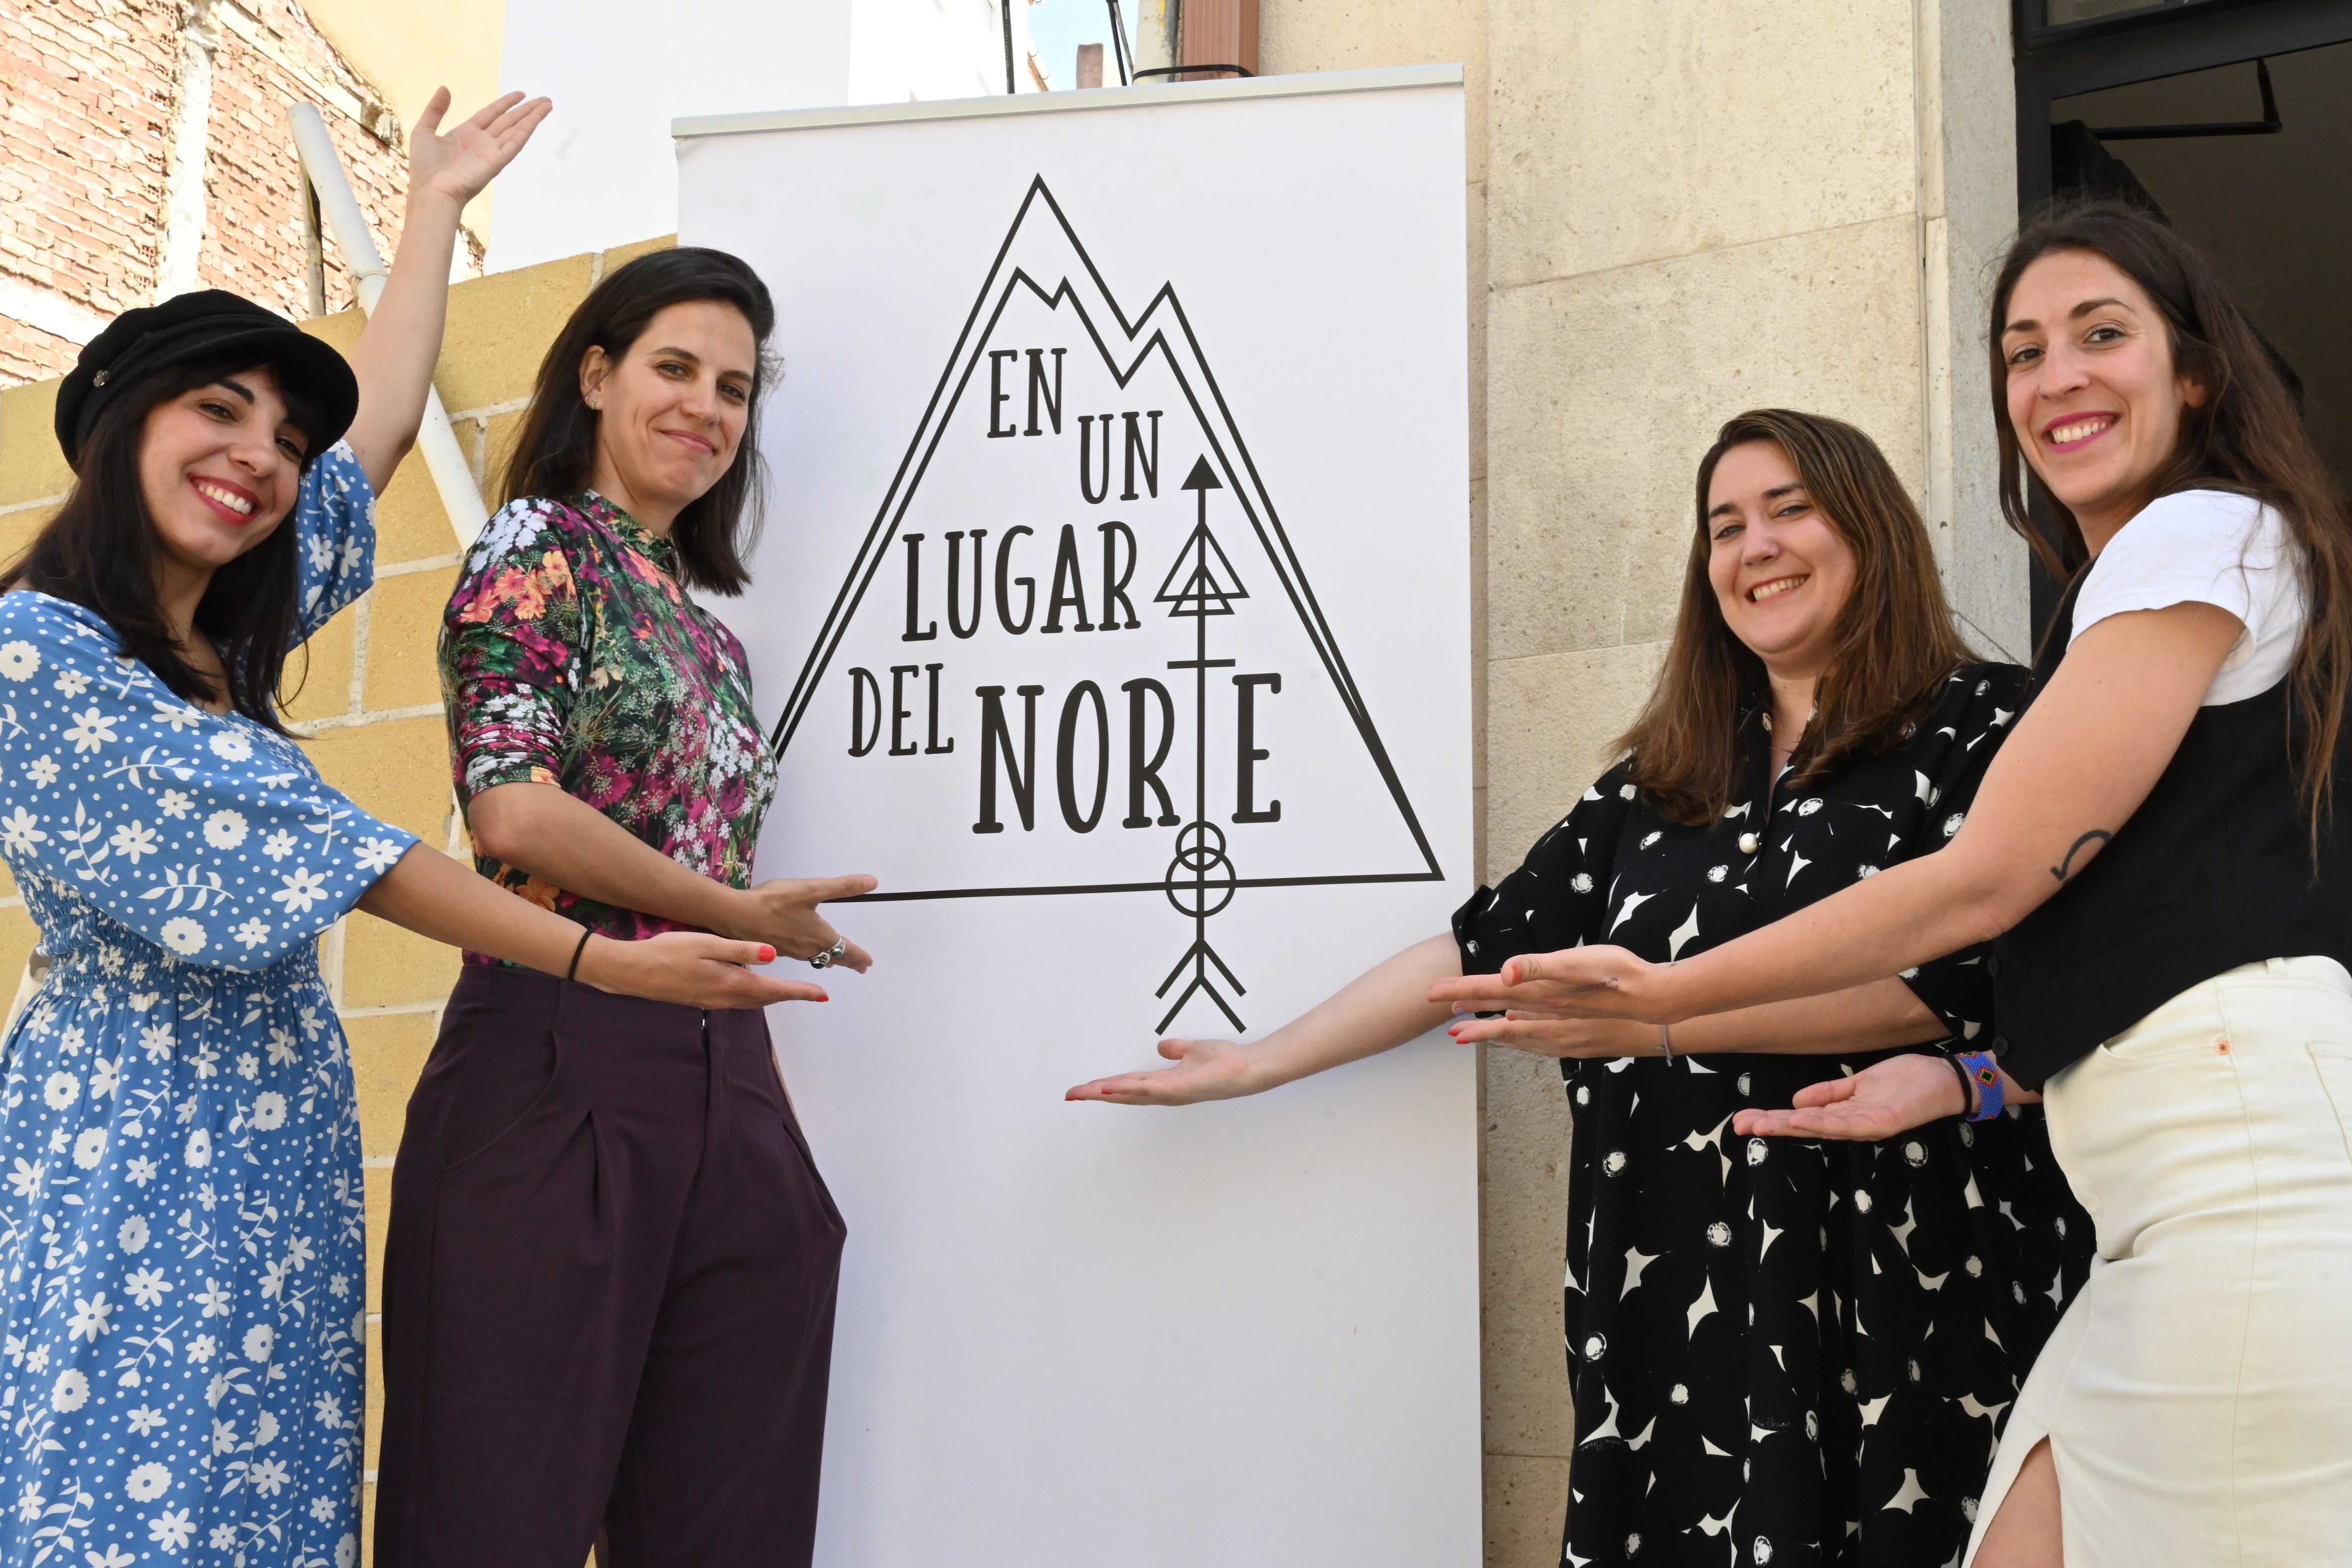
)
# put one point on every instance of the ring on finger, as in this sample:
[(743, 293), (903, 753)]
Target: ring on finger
[(832, 954)]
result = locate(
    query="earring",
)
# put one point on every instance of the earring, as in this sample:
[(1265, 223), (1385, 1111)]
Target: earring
[(596, 403)]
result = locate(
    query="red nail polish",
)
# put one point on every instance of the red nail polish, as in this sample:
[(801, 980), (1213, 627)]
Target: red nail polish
[(767, 954)]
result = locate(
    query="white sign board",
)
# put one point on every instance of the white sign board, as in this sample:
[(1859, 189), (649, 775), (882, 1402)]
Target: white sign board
[(1113, 611)]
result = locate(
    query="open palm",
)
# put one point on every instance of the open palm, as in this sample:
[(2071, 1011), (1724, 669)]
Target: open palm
[(462, 164), (1204, 1070), (1882, 1100)]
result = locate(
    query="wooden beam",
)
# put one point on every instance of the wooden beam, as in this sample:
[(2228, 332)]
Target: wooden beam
[(1219, 33)]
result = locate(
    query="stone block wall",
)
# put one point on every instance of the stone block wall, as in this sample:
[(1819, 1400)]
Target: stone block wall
[(366, 694), (1677, 210), (144, 150)]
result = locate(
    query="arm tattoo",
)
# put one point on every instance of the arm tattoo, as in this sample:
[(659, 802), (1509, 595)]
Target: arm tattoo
[(2066, 866)]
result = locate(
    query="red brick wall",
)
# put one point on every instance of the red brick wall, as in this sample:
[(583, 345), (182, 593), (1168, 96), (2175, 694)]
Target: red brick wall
[(86, 107)]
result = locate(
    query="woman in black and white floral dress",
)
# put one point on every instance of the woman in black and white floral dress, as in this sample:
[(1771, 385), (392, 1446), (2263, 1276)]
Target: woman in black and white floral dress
[(1781, 1353)]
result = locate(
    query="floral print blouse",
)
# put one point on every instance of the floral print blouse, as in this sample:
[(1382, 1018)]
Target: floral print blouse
[(572, 655)]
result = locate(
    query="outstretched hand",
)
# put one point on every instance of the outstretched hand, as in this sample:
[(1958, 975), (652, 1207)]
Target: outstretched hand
[(461, 164), (1576, 1039), (1204, 1070), (692, 969), (1573, 983), (783, 912), (1882, 1100)]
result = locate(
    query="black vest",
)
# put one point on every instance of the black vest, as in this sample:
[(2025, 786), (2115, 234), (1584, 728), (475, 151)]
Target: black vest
[(2213, 871)]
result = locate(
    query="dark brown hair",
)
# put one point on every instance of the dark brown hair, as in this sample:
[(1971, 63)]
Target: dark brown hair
[(98, 552), (2247, 436), (1895, 641), (556, 454)]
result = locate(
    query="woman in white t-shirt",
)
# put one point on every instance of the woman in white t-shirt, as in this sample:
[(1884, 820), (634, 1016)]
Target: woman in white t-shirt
[(2163, 850)]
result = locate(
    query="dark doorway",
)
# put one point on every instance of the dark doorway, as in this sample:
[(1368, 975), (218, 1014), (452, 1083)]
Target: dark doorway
[(2261, 180)]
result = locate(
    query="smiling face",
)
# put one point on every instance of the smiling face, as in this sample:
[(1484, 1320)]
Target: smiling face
[(2093, 396), (672, 410), (1781, 572), (219, 467)]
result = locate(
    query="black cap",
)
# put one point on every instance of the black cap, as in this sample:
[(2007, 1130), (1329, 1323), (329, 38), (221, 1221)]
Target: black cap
[(140, 342)]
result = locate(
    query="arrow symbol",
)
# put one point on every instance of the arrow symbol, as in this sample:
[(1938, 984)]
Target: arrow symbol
[(1200, 880)]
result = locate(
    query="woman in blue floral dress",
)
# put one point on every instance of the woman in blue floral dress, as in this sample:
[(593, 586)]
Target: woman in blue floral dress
[(181, 1243)]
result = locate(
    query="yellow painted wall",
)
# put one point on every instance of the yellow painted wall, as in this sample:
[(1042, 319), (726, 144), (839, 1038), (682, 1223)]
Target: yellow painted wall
[(409, 48), (370, 704)]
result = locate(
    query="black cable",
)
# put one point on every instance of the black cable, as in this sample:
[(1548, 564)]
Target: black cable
[(1005, 9), (1119, 50)]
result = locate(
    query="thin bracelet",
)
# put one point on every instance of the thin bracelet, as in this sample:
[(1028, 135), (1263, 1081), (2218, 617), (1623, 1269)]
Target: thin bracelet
[(1666, 1041), (1968, 1088), (573, 972)]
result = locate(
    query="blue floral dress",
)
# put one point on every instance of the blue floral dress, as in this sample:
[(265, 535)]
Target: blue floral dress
[(181, 1234)]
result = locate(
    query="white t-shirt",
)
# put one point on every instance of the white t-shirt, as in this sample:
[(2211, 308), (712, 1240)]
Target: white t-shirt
[(2208, 547)]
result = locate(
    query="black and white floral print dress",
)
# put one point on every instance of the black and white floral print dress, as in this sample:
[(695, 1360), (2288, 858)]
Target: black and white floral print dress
[(1785, 1353)]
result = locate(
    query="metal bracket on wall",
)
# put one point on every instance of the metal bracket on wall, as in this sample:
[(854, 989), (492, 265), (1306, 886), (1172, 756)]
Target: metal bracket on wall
[(2270, 124)]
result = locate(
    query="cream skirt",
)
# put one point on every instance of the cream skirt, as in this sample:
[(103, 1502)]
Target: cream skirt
[(2197, 1395)]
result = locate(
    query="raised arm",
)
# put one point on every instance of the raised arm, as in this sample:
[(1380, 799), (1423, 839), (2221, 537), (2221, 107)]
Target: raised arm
[(394, 357), (2081, 760)]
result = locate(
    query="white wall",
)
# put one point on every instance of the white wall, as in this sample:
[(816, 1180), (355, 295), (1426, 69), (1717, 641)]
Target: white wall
[(602, 171)]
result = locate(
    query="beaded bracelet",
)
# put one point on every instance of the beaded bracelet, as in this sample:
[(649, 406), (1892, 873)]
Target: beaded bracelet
[(1984, 1068)]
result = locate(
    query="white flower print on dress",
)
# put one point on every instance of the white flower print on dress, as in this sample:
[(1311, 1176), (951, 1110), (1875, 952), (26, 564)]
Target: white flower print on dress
[(269, 1111), (90, 1148), (89, 1318), (224, 830), (61, 1090), (172, 1530), (71, 683), (200, 1148), (378, 854), (183, 936), (146, 1287), (133, 840), (230, 745), (279, 845), (43, 770), (91, 730), (148, 1483), (304, 887), (18, 660), (132, 1236), (20, 830), (71, 1389), (174, 804)]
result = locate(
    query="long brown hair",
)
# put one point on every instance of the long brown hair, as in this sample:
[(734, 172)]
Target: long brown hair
[(556, 453), (2247, 436), (1895, 641)]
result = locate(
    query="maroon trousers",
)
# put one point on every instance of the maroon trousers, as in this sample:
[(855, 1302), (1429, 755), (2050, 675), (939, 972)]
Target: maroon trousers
[(608, 1292)]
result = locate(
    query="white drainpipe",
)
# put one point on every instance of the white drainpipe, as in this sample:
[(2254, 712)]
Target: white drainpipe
[(453, 476)]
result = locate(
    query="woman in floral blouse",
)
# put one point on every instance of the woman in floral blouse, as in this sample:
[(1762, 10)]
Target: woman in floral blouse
[(181, 1241), (608, 1303)]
